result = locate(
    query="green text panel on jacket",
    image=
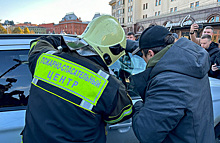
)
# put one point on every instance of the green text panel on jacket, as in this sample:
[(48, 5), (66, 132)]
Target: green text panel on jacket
[(70, 77)]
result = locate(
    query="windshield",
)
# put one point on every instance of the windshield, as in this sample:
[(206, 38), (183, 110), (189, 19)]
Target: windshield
[(15, 78)]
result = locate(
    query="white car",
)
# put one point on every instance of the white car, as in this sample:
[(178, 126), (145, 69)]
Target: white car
[(15, 80)]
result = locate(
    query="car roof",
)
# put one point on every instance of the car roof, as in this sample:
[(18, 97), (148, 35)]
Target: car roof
[(19, 41)]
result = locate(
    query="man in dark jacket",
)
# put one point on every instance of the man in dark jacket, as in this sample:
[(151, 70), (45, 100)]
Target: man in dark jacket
[(73, 96), (213, 50), (177, 103)]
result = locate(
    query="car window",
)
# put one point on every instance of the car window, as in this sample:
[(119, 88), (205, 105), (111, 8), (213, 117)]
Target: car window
[(126, 66), (15, 78)]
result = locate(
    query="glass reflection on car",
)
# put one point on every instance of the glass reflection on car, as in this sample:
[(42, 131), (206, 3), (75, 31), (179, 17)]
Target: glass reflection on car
[(15, 78)]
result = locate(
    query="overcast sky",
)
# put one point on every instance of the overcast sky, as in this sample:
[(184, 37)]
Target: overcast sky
[(47, 11)]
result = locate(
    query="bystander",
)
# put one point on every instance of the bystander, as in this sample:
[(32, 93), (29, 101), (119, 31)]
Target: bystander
[(195, 27), (131, 36), (175, 90), (213, 50)]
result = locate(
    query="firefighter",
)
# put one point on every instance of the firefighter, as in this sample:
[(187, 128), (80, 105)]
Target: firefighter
[(73, 95)]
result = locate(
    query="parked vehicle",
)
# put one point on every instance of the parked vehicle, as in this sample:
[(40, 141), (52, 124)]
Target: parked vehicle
[(15, 80)]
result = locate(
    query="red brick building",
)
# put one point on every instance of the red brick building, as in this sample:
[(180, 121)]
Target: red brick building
[(25, 24), (70, 24), (49, 27)]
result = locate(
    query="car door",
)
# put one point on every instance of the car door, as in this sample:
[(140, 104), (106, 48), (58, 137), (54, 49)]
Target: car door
[(15, 79), (215, 89)]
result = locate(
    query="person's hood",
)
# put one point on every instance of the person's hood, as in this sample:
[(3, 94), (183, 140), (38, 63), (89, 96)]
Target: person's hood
[(184, 57), (213, 48)]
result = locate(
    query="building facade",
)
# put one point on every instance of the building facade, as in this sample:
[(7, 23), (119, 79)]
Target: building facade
[(37, 30), (31, 27), (49, 27), (176, 15), (70, 24)]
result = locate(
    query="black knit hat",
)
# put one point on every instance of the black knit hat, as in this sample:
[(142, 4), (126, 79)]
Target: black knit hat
[(152, 37)]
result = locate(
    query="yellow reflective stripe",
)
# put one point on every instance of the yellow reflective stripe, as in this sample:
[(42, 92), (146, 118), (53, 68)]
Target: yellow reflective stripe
[(125, 113), (33, 44), (63, 98), (21, 138), (121, 110), (71, 77)]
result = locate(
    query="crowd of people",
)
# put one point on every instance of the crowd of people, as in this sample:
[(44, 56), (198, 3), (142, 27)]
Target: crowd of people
[(67, 106), (211, 47)]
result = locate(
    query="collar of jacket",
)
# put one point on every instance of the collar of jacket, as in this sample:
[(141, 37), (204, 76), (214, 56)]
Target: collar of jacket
[(213, 48), (154, 60)]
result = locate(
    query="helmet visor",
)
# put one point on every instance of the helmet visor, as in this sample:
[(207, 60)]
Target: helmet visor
[(74, 43)]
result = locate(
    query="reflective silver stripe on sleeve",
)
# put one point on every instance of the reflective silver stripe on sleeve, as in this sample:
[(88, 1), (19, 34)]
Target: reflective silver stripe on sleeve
[(51, 52), (103, 74), (35, 80), (86, 105)]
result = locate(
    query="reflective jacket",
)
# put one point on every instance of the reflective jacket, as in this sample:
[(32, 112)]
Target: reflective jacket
[(71, 97), (177, 103)]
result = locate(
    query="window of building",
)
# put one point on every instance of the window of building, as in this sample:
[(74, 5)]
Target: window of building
[(191, 5), (119, 11), (129, 0), (131, 8), (155, 13), (119, 2), (175, 8), (156, 2), (171, 9), (146, 15), (143, 16), (131, 19), (143, 6), (158, 12), (214, 19), (159, 2), (123, 20), (146, 5), (172, 0), (197, 3)]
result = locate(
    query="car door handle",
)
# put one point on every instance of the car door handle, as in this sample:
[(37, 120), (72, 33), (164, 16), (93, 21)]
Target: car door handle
[(120, 125)]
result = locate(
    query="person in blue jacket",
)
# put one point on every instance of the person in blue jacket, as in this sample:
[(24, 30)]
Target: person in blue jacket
[(177, 103)]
